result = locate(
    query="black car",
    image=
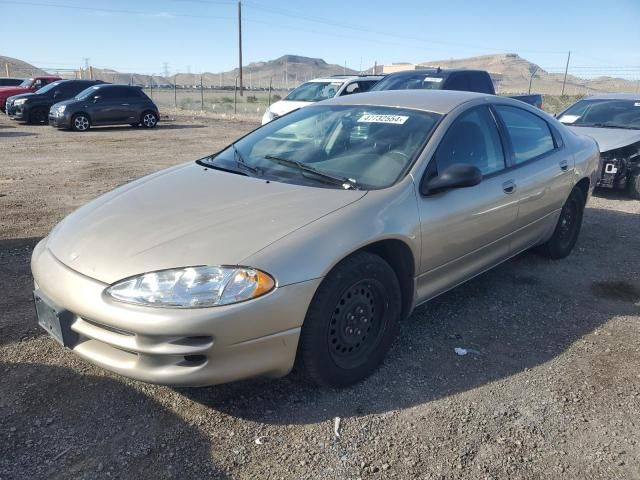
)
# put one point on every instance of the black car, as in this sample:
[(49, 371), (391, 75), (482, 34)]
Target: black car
[(33, 107), (105, 105), (10, 81)]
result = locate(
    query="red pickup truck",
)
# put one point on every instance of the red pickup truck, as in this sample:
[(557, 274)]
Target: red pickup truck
[(29, 85)]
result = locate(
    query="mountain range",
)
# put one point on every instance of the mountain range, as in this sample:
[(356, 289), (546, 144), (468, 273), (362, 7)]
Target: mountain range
[(510, 72)]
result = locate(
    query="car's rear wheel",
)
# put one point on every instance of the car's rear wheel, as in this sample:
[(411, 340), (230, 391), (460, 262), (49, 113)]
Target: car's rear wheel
[(149, 119), (568, 227), (633, 185), (38, 115), (351, 322), (80, 122)]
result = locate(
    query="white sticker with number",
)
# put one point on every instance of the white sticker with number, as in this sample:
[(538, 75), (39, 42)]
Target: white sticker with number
[(432, 79), (394, 119)]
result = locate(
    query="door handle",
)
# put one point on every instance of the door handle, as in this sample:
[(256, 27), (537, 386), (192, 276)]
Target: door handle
[(124, 104), (509, 187), (564, 165)]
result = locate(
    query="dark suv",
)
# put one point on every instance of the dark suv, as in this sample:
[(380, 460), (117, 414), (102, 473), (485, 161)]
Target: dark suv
[(34, 107), (105, 105)]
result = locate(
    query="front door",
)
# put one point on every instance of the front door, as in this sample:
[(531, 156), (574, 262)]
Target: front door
[(466, 230)]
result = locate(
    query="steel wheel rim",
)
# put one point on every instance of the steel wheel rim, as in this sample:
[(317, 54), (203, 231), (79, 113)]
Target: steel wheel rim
[(149, 120), (357, 324), (81, 122), (568, 222)]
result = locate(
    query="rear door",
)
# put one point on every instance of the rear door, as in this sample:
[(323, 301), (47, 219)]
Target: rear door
[(542, 170), (466, 230)]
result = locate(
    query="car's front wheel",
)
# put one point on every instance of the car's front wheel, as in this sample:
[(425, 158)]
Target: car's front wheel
[(351, 322), (80, 122), (568, 227), (149, 120)]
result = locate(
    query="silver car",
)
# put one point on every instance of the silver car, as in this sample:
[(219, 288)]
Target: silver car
[(311, 238)]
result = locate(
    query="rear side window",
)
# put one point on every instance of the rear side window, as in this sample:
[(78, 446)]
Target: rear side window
[(530, 135), (472, 139), (116, 92)]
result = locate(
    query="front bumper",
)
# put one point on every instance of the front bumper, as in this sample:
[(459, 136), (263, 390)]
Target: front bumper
[(15, 112), (59, 121), (180, 347)]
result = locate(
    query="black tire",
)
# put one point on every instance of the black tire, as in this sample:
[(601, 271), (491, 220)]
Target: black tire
[(351, 321), (80, 122), (633, 185), (567, 229), (38, 115), (149, 119)]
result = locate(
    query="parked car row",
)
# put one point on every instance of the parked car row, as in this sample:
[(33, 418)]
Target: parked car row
[(78, 104), (319, 89)]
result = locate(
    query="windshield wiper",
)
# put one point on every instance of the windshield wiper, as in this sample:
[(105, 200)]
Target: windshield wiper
[(241, 162), (610, 125), (344, 182)]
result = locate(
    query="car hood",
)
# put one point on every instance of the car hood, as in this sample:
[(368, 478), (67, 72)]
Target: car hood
[(21, 95), (184, 216), (285, 106), (609, 138), (10, 91)]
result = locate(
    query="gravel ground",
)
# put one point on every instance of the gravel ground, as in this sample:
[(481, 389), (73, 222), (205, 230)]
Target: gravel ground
[(551, 389)]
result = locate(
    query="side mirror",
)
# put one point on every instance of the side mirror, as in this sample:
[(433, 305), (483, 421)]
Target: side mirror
[(56, 94), (458, 175), (96, 98)]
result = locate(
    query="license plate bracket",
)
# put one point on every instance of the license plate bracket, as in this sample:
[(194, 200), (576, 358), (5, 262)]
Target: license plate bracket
[(55, 321)]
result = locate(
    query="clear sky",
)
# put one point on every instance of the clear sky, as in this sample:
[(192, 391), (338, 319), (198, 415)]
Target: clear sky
[(201, 35)]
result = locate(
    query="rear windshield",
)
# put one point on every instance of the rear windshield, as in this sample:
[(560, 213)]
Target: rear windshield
[(410, 82), (314, 91), (611, 113)]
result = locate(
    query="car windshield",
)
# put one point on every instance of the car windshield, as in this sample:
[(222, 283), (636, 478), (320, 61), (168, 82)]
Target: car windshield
[(48, 88), (361, 147), (26, 83), (314, 91), (86, 93), (612, 113), (409, 82)]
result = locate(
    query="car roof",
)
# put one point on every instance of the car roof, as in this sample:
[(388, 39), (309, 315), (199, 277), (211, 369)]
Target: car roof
[(346, 78), (614, 96), (433, 70), (438, 101)]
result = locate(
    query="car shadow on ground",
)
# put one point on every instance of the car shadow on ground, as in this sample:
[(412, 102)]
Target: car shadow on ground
[(515, 317), (129, 128), (58, 423), (614, 194), (16, 134)]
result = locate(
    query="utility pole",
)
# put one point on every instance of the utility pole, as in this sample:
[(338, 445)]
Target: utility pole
[(165, 69), (565, 73), (240, 42)]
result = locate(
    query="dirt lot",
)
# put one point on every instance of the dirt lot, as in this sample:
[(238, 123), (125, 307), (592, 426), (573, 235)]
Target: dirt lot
[(552, 392)]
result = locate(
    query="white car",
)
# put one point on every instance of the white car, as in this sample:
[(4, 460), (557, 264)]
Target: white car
[(320, 89)]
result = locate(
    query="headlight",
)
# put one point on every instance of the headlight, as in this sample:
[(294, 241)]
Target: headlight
[(60, 108), (20, 101), (193, 287)]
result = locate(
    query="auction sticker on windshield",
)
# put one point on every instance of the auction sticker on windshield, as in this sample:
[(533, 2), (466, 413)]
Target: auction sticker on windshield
[(395, 119), (432, 79), (569, 118)]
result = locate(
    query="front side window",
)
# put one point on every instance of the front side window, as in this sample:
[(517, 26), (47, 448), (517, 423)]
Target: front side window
[(368, 147), (314, 91), (530, 135), (473, 139), (612, 113)]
